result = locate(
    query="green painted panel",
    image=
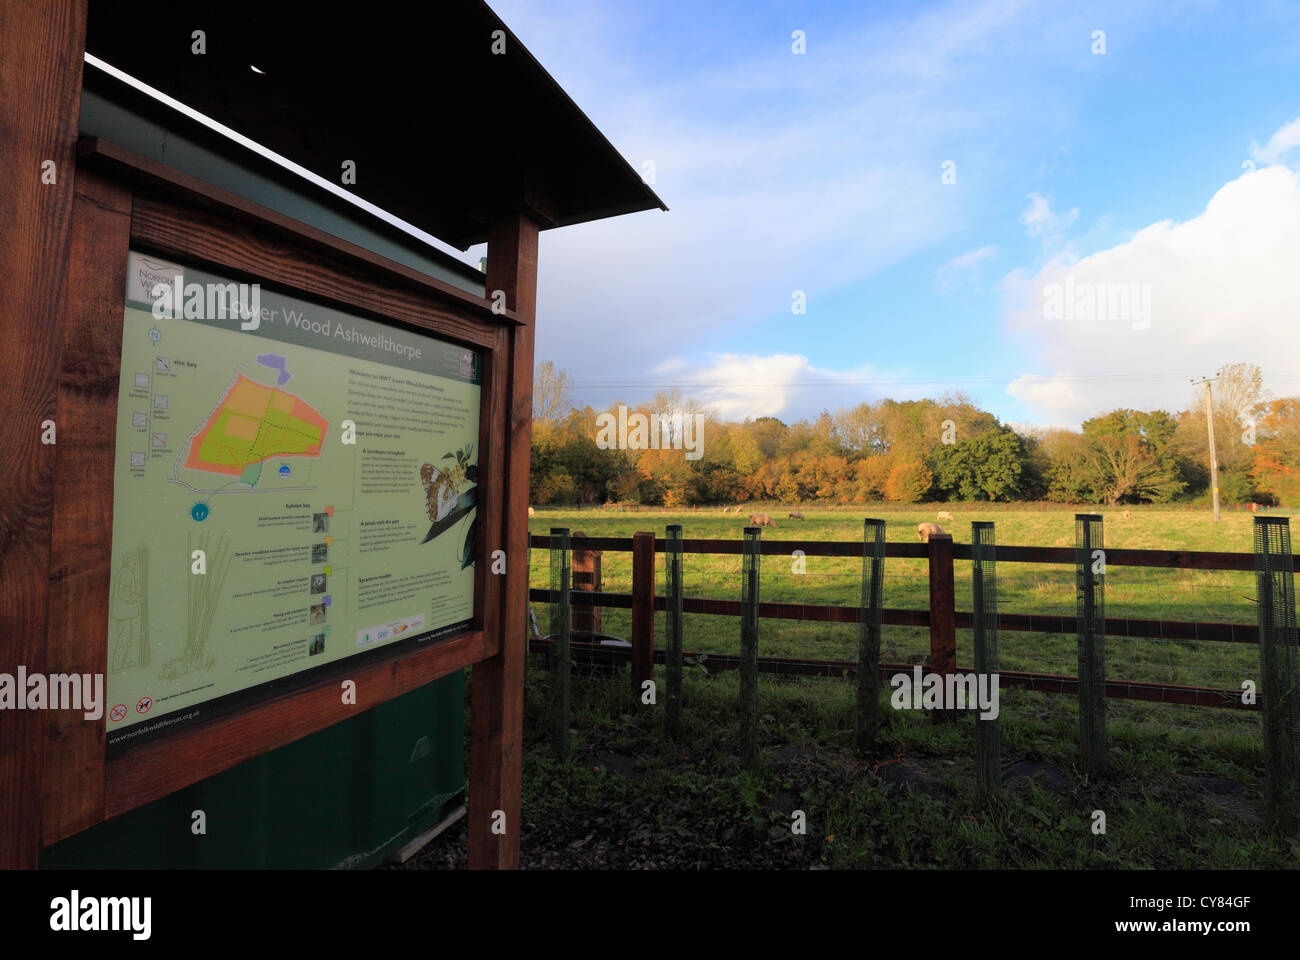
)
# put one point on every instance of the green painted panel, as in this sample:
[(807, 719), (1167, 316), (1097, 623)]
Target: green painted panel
[(344, 797)]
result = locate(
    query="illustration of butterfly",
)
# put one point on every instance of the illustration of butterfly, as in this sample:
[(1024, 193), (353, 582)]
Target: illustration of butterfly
[(444, 503)]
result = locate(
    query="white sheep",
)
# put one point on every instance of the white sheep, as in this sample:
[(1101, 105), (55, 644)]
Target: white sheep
[(945, 515), (927, 530)]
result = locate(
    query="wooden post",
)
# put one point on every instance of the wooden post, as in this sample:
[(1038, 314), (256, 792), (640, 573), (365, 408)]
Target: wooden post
[(497, 683), (943, 613), (41, 45), (1214, 455), (643, 611), (586, 577)]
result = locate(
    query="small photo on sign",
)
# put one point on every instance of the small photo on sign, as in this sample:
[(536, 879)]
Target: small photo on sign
[(320, 523), (316, 614), (319, 552), (139, 419), (318, 583), (317, 645)]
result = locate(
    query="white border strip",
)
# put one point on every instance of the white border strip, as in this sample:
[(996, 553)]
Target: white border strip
[(276, 158)]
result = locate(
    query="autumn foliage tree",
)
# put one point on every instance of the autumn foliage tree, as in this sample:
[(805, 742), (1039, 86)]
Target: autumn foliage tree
[(908, 451)]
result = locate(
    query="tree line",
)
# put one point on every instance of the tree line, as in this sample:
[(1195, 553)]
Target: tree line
[(945, 449)]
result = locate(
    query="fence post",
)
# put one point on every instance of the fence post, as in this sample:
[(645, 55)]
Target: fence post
[(1280, 669), (586, 577), (673, 625), (869, 627), (984, 619), (643, 611), (1090, 579), (561, 627), (943, 612), (749, 646)]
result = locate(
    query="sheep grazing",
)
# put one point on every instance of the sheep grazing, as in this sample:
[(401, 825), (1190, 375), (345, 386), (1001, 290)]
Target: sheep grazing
[(796, 515), (531, 513), (927, 530), (945, 515), (762, 520)]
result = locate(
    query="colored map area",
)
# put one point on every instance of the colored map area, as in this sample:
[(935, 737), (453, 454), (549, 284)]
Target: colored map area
[(252, 423), (276, 362)]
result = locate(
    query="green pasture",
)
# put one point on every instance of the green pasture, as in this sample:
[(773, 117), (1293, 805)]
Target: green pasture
[(1203, 596)]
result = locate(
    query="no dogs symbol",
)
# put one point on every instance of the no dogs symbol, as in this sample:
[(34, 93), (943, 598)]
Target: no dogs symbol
[(118, 712), (143, 704)]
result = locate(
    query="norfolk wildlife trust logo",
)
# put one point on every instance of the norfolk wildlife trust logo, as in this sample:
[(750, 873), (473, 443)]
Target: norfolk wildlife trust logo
[(76, 913), (58, 691), (162, 284), (639, 431)]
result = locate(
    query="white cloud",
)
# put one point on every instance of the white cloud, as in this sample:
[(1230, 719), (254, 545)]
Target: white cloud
[(1284, 139), (975, 257), (963, 271), (1043, 222), (785, 385), (1223, 287)]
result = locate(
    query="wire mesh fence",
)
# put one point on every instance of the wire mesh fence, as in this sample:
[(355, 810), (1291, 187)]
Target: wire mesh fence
[(1128, 640), (1275, 586), (984, 620)]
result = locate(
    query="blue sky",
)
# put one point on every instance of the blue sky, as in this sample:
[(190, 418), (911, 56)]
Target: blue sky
[(822, 172)]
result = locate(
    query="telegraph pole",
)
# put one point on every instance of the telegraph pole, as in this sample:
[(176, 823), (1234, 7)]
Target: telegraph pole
[(1214, 456)]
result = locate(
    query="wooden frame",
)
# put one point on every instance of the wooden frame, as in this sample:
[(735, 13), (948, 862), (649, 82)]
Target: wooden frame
[(122, 201)]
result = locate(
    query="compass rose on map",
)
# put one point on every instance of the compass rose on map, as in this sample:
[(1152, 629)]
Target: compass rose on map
[(155, 335)]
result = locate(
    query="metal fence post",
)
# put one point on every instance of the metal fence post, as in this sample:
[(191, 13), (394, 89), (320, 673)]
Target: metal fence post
[(984, 619), (673, 625), (749, 647), (869, 629), (1280, 670), (561, 629), (643, 612), (1090, 581)]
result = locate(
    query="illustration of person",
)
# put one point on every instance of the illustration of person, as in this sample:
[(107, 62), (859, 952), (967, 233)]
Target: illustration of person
[(124, 615)]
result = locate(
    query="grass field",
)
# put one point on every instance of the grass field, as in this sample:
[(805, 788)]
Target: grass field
[(1184, 788)]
